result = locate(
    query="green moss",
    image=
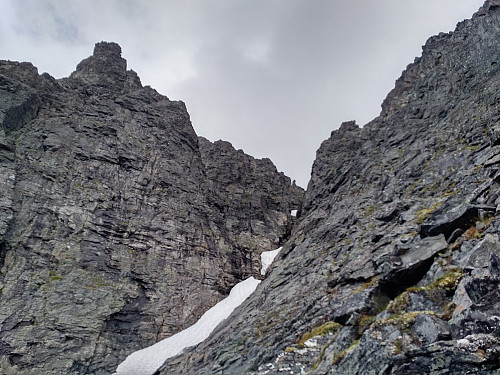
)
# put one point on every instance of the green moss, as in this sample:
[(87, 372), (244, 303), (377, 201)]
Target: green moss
[(365, 322), (369, 211), (477, 168), (402, 320), (53, 276), (448, 194), (424, 213), (99, 282), (472, 148), (397, 347), (435, 291), (366, 285), (408, 236), (324, 329), (343, 353), (318, 361), (411, 189), (449, 281), (399, 303)]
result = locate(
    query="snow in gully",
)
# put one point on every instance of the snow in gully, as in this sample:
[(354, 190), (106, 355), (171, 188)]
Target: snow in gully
[(148, 360)]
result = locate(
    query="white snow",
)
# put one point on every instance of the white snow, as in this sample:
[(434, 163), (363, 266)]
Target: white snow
[(267, 258), (148, 360), (293, 213)]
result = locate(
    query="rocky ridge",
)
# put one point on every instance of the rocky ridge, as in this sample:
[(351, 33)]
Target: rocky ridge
[(393, 266), (117, 226)]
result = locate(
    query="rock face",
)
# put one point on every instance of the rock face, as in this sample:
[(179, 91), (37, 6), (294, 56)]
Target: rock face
[(394, 264), (250, 197), (117, 227)]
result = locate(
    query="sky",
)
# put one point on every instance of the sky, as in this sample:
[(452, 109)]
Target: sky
[(273, 77)]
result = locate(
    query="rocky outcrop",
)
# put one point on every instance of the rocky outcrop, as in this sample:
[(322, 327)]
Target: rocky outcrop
[(393, 265), (116, 228), (119, 226), (252, 199)]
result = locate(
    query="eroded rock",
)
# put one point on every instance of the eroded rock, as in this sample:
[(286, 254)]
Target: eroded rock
[(112, 236), (397, 236)]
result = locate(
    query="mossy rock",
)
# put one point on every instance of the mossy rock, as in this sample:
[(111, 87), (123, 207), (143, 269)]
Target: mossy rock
[(437, 291), (323, 330)]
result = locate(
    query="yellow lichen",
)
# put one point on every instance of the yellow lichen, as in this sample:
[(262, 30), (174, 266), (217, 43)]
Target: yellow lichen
[(366, 285), (324, 329), (343, 353), (424, 213)]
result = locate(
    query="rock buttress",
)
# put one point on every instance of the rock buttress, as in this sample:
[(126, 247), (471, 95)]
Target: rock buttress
[(393, 266), (108, 239)]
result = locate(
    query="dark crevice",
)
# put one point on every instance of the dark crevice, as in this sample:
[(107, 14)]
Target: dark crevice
[(3, 252), (127, 321), (17, 116), (14, 359), (78, 368), (342, 320), (464, 221), (448, 226), (397, 282), (5, 348)]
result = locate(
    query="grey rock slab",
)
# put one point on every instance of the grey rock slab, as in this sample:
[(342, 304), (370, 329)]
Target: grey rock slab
[(110, 233), (430, 329)]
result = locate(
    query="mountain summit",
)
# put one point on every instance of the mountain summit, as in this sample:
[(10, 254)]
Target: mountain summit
[(117, 226), (393, 265), (107, 69)]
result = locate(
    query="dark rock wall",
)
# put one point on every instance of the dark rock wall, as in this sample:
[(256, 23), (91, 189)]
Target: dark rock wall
[(393, 265), (250, 197), (114, 230)]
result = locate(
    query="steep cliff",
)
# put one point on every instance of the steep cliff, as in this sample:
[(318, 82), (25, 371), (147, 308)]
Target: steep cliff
[(116, 228), (394, 264), (252, 199)]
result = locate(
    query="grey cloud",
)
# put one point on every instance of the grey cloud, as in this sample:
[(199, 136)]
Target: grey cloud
[(273, 77)]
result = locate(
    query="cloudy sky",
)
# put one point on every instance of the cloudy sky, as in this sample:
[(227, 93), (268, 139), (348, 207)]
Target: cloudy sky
[(273, 77)]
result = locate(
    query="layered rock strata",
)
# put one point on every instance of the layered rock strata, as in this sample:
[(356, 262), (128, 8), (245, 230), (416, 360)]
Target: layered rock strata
[(116, 228), (394, 264)]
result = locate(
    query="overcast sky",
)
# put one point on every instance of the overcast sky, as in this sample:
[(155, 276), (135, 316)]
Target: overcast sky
[(273, 77)]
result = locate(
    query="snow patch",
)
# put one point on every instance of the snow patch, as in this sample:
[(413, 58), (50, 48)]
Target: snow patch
[(293, 213), (148, 360), (267, 258)]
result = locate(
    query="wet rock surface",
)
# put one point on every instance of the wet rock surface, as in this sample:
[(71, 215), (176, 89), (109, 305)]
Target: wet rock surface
[(396, 244), (117, 228)]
